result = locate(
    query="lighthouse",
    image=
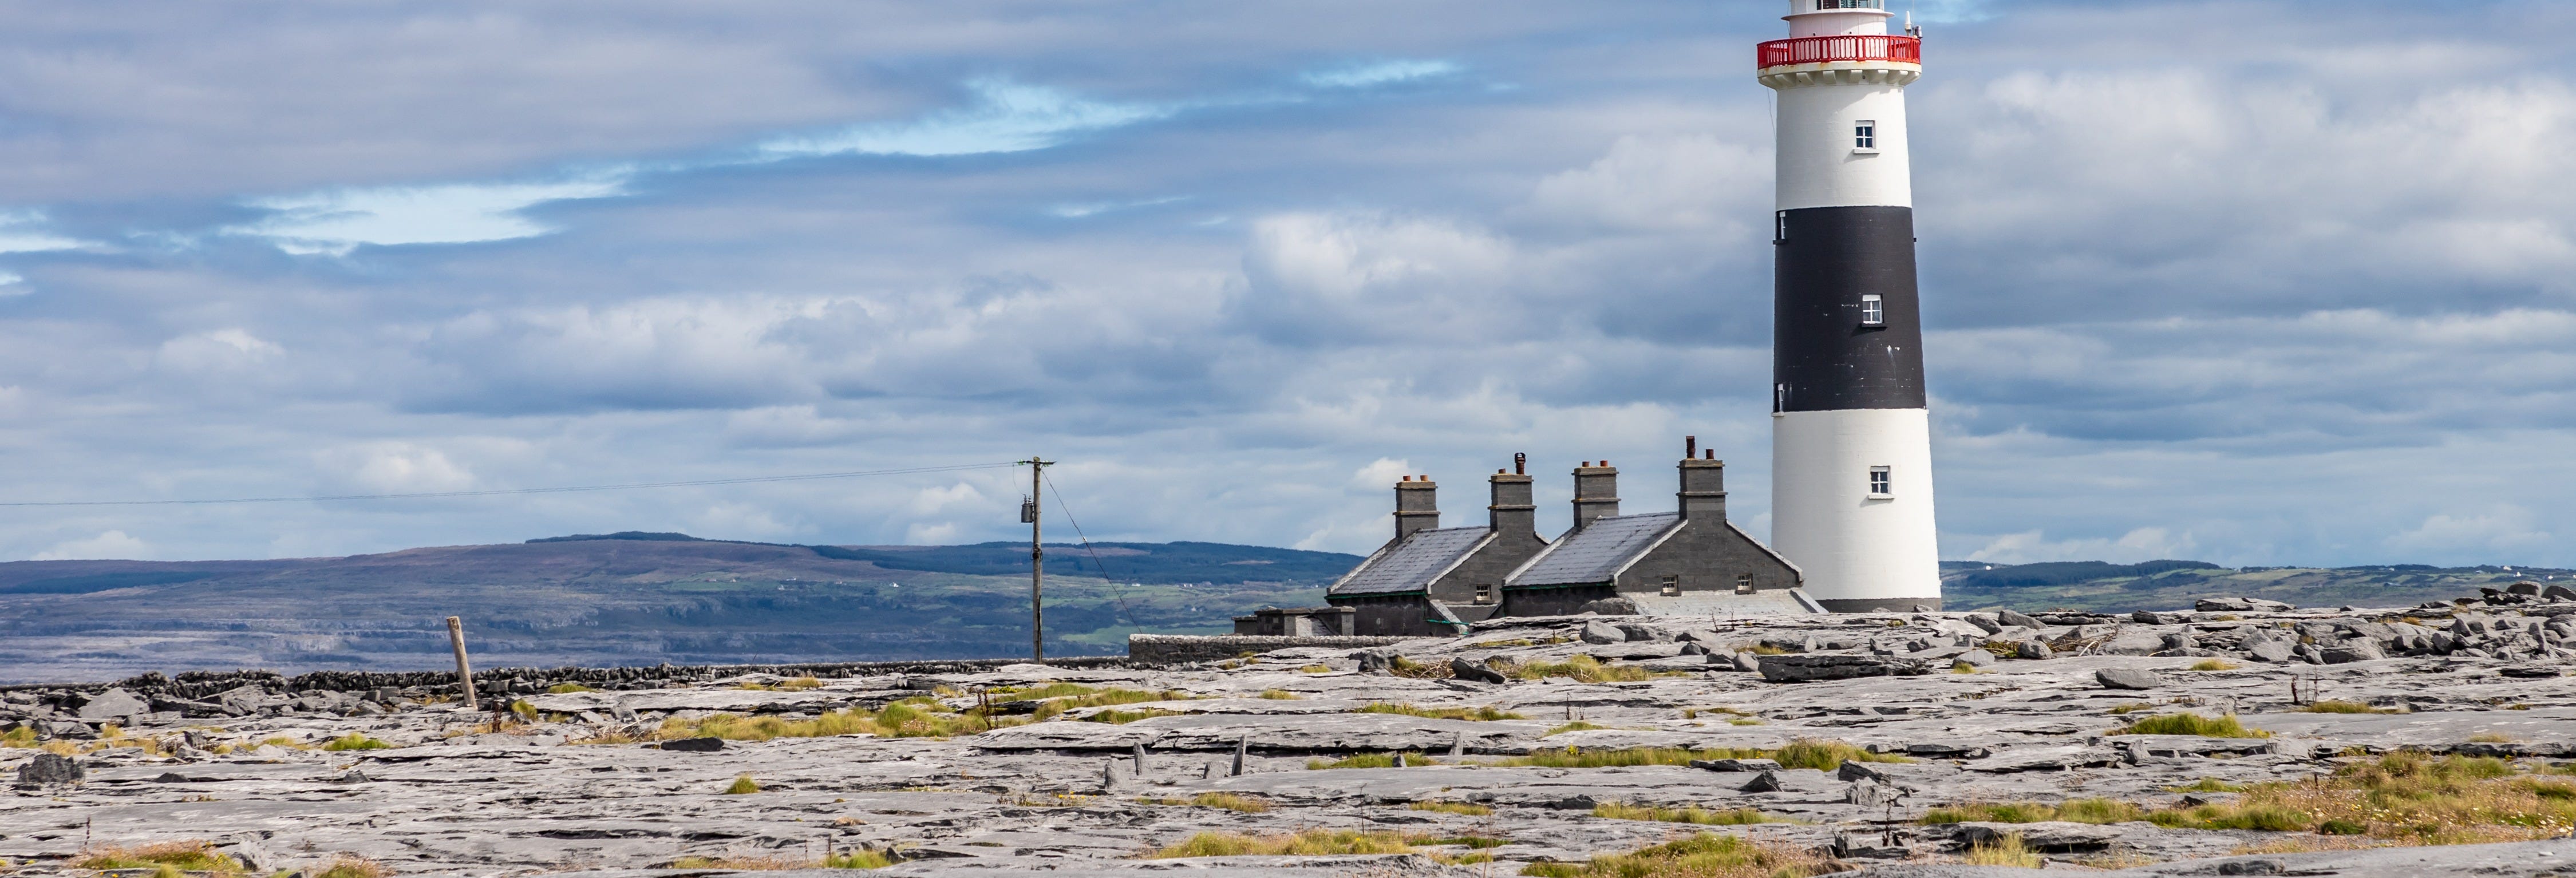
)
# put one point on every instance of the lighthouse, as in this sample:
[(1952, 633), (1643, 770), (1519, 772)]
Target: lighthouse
[(1851, 445)]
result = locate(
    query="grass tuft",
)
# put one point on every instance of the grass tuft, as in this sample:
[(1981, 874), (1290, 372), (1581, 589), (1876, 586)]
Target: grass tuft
[(2211, 664), (2335, 706), (2190, 724), (1802, 753), (1368, 760), (1582, 668), (1692, 814), (1706, 855), (2208, 785), (1280, 695), (355, 741), (567, 689), (1466, 808), (1228, 801), (1487, 713), (2096, 811), (352, 867), (1581, 726), (2006, 852), (743, 785), (191, 856), (1306, 843)]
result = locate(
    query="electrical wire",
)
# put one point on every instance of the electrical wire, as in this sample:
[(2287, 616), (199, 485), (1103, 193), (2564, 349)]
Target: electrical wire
[(1095, 553), (509, 491)]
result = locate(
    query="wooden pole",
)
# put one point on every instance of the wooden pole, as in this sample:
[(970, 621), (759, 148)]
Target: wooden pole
[(1037, 563), (464, 672)]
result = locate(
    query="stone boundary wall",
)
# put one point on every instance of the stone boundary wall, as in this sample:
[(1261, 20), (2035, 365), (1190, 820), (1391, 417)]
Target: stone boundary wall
[(1169, 649), (519, 681)]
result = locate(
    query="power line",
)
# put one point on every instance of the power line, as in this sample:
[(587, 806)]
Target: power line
[(508, 491), (1095, 555)]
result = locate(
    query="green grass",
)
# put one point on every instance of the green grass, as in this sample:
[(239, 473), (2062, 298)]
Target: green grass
[(2212, 665), (2097, 811), (1487, 713), (2191, 724), (355, 741), (1692, 814), (2007, 852), (1227, 801), (1575, 726), (1307, 843), (1582, 668), (191, 856), (1280, 695), (2208, 785), (1706, 855), (567, 689), (1819, 755), (743, 785)]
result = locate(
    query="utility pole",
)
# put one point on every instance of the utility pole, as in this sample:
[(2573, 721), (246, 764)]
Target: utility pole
[(1037, 559)]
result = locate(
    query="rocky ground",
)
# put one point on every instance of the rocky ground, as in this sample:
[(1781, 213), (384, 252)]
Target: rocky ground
[(2020, 740)]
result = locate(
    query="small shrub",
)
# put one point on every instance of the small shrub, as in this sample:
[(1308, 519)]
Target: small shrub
[(1280, 695), (2131, 707), (743, 785), (1466, 808), (1231, 802), (1828, 755), (567, 689), (2211, 664), (2191, 724), (1405, 667), (1316, 669), (1577, 726), (2342, 827), (1582, 668)]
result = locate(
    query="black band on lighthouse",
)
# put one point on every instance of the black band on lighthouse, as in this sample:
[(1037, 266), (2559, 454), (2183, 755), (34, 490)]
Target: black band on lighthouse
[(1825, 355)]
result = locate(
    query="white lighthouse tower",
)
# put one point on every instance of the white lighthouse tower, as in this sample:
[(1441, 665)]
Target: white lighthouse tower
[(1851, 445)]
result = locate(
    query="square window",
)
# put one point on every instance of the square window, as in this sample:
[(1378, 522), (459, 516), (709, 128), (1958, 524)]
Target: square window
[(1672, 586), (1743, 583), (1865, 134), (1484, 594), (1873, 310), (1878, 482)]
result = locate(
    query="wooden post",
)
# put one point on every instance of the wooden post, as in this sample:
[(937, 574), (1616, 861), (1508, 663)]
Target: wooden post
[(464, 672), (1037, 562)]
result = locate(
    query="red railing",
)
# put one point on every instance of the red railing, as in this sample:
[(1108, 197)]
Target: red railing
[(1820, 50)]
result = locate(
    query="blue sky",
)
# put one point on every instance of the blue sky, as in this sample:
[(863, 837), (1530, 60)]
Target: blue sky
[(2282, 283)]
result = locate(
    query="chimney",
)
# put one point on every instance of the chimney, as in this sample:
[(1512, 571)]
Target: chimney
[(1703, 482), (1514, 509), (1417, 506), (1596, 492)]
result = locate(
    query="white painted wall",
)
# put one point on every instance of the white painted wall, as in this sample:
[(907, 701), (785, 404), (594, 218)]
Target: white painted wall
[(1805, 21), (1852, 547), (1817, 165)]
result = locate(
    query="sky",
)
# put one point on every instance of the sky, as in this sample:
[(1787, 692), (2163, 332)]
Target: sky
[(2275, 283)]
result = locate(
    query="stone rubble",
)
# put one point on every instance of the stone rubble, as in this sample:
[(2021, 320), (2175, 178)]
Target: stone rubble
[(452, 795)]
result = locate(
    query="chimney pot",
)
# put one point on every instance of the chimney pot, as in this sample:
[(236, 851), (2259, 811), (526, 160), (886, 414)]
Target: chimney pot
[(1520, 463), (1690, 446)]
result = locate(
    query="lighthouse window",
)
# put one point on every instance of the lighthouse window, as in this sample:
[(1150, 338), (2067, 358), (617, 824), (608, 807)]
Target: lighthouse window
[(1878, 480), (1851, 4), (1873, 310), (1865, 134)]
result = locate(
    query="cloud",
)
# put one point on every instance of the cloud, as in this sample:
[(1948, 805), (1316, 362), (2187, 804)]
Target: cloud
[(216, 349), (339, 221), (1006, 117), (396, 467), (1376, 73), (2142, 544), (114, 544), (30, 231)]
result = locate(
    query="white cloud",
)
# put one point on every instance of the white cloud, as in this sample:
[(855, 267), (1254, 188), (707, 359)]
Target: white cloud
[(30, 231), (1007, 117), (926, 534), (931, 501), (2142, 544), (114, 544), (338, 221), (395, 467), (1377, 73), (1675, 183), (216, 349), (2503, 528)]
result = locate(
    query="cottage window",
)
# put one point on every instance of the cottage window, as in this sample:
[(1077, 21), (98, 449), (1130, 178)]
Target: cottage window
[(1878, 482), (1873, 310), (1672, 586), (1743, 583)]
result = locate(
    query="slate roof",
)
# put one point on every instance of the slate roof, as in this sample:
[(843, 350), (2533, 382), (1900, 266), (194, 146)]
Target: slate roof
[(1596, 553), (1411, 565)]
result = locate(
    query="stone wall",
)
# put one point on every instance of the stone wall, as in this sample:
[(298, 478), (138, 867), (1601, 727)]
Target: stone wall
[(1162, 649)]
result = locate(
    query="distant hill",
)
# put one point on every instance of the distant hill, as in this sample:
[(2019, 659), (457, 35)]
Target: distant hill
[(2165, 585), (627, 598)]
